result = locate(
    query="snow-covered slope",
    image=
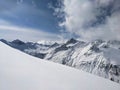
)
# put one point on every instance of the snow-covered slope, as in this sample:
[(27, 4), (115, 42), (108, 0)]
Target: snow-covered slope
[(19, 71), (98, 57)]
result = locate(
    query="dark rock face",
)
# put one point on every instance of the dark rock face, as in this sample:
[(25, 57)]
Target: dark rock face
[(72, 40), (18, 42), (3, 40), (54, 45), (64, 46), (39, 55), (95, 48), (61, 48)]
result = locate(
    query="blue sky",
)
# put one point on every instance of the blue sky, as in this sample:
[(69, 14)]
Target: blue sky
[(34, 20), (28, 14)]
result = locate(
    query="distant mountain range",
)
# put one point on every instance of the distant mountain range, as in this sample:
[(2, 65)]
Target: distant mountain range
[(98, 57)]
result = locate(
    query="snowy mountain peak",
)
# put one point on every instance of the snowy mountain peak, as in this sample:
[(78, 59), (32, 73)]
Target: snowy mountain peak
[(71, 41), (3, 40), (17, 41), (54, 45)]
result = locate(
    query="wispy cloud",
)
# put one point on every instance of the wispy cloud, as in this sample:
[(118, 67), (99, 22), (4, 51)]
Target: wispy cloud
[(29, 13), (92, 19), (11, 32), (20, 18)]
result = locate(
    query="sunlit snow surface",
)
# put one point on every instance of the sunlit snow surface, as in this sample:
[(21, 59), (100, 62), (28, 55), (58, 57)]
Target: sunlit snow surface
[(19, 71)]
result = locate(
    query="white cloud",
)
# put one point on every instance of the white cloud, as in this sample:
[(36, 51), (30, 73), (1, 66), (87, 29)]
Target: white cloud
[(79, 14)]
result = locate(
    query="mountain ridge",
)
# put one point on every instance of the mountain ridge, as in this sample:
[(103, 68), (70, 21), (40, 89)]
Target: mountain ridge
[(98, 57), (20, 71)]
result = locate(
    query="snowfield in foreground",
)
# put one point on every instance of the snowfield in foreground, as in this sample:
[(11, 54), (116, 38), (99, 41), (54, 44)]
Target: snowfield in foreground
[(19, 71)]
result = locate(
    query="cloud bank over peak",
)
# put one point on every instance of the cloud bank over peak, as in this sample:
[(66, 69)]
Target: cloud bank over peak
[(92, 19)]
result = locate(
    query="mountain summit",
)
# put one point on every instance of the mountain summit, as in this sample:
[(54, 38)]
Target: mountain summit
[(72, 40)]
